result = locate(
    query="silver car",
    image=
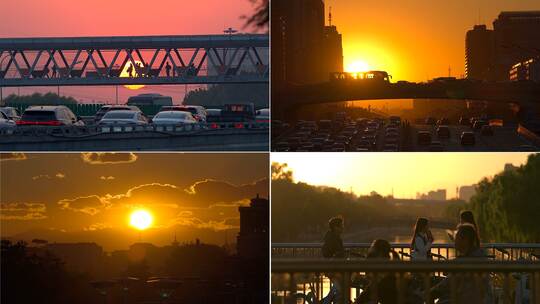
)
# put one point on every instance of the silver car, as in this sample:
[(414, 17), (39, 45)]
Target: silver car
[(124, 117), (173, 118), (6, 122)]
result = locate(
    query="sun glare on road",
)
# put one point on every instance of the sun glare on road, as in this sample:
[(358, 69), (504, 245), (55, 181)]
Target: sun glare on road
[(141, 219)]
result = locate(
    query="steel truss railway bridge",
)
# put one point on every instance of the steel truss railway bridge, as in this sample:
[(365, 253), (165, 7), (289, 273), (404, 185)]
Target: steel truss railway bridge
[(141, 60)]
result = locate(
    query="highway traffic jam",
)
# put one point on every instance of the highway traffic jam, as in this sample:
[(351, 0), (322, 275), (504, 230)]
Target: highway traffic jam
[(131, 115), (392, 134)]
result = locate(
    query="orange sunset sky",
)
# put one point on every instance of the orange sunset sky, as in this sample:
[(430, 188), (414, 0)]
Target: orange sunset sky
[(413, 40), (91, 197), (60, 18)]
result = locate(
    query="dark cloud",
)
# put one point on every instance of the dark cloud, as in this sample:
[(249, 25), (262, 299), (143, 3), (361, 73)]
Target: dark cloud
[(212, 191), (91, 205), (102, 158), (22, 211), (202, 194), (147, 194), (12, 156)]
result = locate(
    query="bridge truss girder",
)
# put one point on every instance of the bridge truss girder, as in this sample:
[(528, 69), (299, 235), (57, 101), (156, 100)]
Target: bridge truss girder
[(169, 64)]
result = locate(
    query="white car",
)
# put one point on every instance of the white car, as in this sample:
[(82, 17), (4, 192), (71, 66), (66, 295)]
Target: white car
[(5, 122), (124, 117), (173, 118), (262, 115)]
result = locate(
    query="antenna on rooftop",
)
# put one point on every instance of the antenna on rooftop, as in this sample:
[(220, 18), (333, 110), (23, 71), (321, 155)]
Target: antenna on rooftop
[(330, 16)]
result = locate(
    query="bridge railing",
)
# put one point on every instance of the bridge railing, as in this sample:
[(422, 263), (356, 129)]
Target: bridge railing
[(383, 281), (439, 251), (85, 131)]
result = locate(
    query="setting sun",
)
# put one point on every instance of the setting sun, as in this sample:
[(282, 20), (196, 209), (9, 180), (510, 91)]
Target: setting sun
[(125, 73), (141, 219), (357, 66)]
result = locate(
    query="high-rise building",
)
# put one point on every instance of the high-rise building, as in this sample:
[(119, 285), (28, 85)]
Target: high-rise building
[(304, 50), (491, 54), (528, 70), (333, 49), (466, 192), (517, 39), (253, 238), (479, 48)]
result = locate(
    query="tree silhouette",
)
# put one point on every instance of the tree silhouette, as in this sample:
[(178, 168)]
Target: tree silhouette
[(29, 277), (281, 171), (261, 17), (507, 207), (40, 99)]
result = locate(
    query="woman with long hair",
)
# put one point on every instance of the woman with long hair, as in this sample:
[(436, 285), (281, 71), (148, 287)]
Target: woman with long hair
[(467, 217), (421, 240), (471, 289)]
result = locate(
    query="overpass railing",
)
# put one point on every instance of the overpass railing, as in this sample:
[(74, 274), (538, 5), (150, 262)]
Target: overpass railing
[(439, 251), (74, 132), (384, 281)]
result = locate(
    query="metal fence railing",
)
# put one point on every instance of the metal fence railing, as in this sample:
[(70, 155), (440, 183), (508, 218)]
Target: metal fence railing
[(82, 131), (439, 251), (383, 281)]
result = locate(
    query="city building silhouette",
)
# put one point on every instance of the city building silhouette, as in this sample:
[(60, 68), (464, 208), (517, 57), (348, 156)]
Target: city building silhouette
[(253, 238), (517, 38), (479, 52), (304, 49), (493, 54), (466, 192), (528, 70)]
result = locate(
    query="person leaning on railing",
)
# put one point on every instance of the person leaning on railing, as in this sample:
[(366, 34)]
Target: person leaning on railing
[(467, 288)]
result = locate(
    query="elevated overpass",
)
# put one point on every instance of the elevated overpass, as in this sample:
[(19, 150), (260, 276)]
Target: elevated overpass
[(295, 96)]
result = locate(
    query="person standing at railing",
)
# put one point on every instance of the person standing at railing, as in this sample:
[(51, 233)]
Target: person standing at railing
[(333, 244), (333, 248), (467, 217), (422, 240), (468, 288)]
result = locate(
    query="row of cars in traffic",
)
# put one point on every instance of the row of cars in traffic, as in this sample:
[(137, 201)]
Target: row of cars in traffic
[(340, 134), (59, 115), (443, 132)]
